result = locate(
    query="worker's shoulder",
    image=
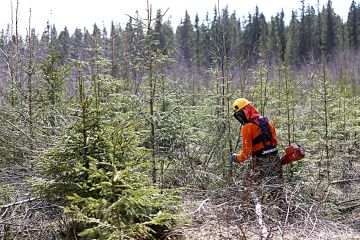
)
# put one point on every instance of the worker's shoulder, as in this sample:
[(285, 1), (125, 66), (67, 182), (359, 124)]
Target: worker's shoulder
[(269, 120), (255, 124), (249, 125)]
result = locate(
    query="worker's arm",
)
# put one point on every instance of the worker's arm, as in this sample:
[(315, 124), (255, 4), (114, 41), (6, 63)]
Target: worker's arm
[(246, 148)]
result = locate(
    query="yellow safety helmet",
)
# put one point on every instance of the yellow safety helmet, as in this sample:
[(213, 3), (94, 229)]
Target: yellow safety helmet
[(239, 104)]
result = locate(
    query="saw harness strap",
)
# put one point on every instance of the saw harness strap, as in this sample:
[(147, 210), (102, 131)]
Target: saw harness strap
[(264, 137)]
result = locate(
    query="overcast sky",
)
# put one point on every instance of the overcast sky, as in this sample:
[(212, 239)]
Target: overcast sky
[(84, 13)]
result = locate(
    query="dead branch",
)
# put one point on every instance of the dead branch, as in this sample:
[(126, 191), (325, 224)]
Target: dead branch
[(346, 181), (348, 201), (349, 208), (201, 206), (18, 203)]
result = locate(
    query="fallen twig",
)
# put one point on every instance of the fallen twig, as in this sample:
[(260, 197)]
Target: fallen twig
[(201, 206), (18, 203), (349, 208), (259, 215), (346, 180)]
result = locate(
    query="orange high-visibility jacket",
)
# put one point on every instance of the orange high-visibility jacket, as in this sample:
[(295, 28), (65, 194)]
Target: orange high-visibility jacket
[(249, 132)]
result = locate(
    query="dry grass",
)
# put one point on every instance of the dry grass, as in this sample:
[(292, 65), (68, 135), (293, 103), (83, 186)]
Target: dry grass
[(221, 215)]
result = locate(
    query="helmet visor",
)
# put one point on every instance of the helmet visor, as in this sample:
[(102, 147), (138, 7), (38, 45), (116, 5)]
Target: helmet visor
[(240, 116)]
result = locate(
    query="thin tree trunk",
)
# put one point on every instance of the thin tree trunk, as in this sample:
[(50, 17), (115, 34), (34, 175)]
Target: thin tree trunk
[(288, 123), (324, 78), (83, 115), (30, 72), (113, 184), (152, 88)]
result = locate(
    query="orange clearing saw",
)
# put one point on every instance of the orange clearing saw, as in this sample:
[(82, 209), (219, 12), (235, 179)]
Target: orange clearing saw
[(294, 152)]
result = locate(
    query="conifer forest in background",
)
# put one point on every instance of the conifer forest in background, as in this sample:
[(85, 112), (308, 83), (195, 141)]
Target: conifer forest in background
[(126, 132)]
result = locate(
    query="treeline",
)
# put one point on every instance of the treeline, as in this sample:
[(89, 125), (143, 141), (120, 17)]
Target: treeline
[(313, 33), (103, 123)]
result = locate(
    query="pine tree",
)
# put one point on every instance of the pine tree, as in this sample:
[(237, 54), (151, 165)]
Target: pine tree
[(50, 95), (62, 46), (352, 26), (277, 38), (120, 203), (307, 33), (186, 40), (329, 32), (303, 41), (134, 44), (282, 36), (77, 46), (344, 129), (292, 43), (115, 50), (255, 37), (30, 72), (98, 171), (169, 37), (197, 42), (311, 33), (263, 38), (205, 45)]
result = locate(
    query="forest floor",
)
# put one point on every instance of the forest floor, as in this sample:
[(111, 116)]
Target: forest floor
[(324, 211), (219, 215)]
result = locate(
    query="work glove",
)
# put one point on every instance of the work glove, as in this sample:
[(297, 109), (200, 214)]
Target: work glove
[(233, 158)]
